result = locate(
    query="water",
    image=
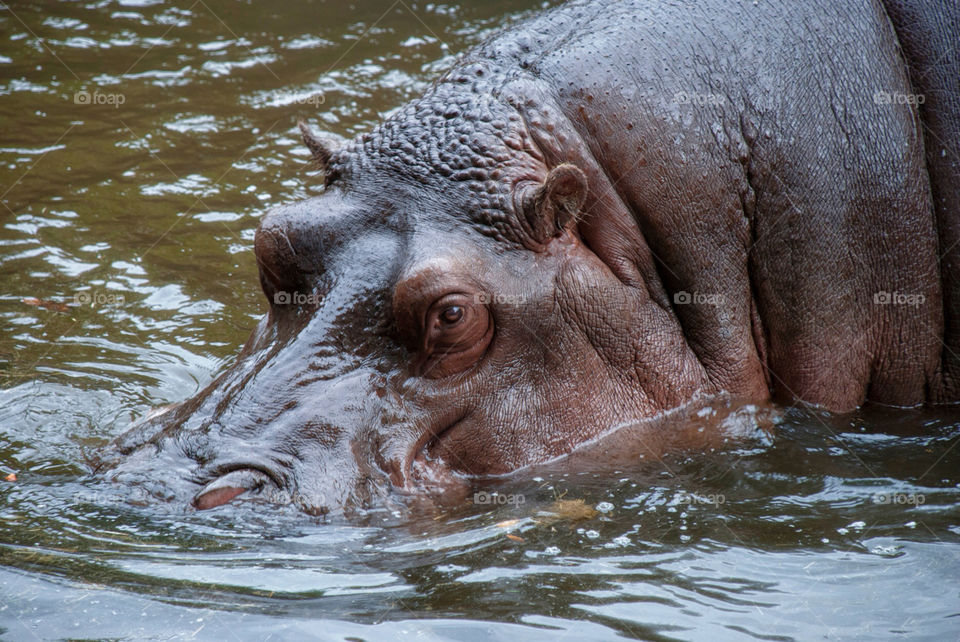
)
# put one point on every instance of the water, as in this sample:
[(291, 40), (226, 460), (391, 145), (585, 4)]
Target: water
[(128, 217)]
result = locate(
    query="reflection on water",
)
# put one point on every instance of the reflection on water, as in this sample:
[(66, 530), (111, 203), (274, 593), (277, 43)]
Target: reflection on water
[(142, 141)]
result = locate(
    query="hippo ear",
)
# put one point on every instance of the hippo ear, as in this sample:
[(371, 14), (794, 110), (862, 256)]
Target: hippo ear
[(320, 148), (556, 204)]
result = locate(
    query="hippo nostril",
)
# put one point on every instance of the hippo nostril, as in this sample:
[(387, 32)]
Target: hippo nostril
[(223, 489)]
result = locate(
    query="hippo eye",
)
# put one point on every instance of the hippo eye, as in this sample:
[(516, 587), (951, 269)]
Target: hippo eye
[(452, 315), (456, 334)]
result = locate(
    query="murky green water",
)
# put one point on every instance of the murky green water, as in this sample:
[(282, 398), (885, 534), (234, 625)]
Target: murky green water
[(141, 142)]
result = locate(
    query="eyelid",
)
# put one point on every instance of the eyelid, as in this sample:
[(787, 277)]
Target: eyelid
[(439, 305), (441, 333), (451, 348)]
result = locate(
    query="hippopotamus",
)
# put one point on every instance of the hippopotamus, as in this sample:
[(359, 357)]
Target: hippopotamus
[(610, 211)]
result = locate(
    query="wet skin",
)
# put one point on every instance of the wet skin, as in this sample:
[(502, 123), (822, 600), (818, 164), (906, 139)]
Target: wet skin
[(608, 212)]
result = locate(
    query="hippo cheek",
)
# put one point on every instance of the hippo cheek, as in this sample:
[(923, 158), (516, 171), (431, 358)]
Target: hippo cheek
[(438, 476), (454, 455)]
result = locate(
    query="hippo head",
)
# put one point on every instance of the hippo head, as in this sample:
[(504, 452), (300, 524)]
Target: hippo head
[(436, 313)]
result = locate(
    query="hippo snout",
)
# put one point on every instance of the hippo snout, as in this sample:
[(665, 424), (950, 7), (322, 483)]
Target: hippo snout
[(290, 422)]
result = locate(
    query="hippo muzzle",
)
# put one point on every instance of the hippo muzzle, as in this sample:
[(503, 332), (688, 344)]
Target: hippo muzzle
[(271, 427)]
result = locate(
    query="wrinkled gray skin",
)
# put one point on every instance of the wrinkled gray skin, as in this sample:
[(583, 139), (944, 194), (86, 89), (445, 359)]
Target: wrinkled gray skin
[(596, 217)]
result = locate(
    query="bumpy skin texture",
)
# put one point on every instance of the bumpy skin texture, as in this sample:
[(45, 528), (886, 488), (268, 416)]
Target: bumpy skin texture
[(598, 216)]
